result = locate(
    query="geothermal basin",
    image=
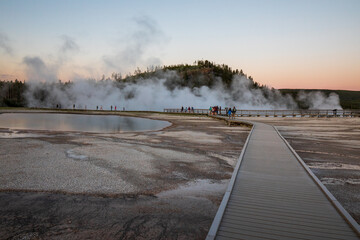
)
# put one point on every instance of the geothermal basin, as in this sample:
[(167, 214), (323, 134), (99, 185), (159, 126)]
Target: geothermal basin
[(78, 122), (159, 184), (156, 184)]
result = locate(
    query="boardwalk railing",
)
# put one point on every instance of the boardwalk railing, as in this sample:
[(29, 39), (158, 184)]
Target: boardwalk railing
[(278, 113), (178, 110)]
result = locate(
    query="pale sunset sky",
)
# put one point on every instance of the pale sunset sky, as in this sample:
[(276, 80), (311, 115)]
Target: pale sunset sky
[(310, 44)]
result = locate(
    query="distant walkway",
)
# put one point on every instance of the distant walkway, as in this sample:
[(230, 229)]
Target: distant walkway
[(273, 196), (278, 113)]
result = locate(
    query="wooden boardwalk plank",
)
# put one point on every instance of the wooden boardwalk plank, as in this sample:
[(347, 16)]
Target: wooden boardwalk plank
[(281, 218), (272, 196), (288, 226)]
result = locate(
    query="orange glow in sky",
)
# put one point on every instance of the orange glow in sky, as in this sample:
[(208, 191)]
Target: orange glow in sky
[(283, 44)]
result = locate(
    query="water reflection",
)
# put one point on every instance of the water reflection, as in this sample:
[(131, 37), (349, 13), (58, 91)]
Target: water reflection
[(78, 122)]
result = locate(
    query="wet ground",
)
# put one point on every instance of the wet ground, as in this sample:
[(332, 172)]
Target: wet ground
[(331, 148), (163, 184)]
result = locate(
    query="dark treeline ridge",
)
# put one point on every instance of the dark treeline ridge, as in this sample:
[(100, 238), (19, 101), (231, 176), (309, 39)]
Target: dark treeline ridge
[(201, 73), (12, 93), (348, 99)]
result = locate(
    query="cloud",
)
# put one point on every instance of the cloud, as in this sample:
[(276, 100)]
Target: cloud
[(146, 34), (5, 45)]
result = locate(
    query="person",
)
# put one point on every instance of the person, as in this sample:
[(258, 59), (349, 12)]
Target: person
[(335, 112), (182, 108), (210, 110), (73, 106), (233, 112), (115, 108), (192, 109), (97, 107), (220, 110), (111, 107), (229, 113), (101, 107)]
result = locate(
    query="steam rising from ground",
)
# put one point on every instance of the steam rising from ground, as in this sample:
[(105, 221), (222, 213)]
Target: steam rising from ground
[(163, 91), (318, 100)]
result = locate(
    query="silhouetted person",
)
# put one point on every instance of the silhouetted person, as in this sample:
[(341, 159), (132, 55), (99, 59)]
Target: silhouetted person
[(73, 106), (111, 107)]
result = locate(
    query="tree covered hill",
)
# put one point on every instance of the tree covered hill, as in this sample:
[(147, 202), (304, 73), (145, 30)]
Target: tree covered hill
[(201, 73)]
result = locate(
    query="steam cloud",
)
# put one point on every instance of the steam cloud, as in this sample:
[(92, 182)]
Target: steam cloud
[(318, 100), (37, 71), (69, 45), (147, 34), (5, 45), (162, 91)]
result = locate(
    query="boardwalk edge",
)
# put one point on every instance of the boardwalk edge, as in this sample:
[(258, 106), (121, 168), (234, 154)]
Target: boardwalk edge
[(219, 214)]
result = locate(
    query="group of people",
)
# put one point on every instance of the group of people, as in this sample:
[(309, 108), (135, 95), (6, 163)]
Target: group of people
[(216, 110), (230, 112), (111, 108), (187, 109), (97, 107)]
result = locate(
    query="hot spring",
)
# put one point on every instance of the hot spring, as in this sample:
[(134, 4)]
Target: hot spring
[(78, 122)]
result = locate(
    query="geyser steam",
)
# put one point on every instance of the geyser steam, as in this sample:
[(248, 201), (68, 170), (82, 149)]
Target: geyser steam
[(163, 91)]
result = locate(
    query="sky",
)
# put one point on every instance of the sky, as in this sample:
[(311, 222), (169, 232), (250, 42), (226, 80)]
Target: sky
[(280, 43)]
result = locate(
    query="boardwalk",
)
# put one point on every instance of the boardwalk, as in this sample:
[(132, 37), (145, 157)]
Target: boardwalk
[(272, 196), (278, 113)]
